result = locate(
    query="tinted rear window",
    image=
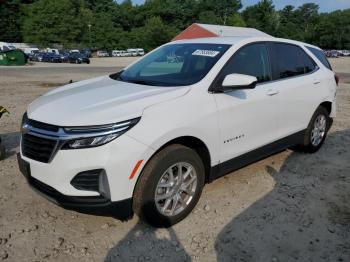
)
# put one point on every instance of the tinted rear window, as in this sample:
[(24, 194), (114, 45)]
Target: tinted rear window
[(320, 56), (290, 60)]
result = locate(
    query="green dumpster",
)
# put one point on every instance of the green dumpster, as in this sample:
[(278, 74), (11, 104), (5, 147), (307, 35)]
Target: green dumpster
[(12, 57)]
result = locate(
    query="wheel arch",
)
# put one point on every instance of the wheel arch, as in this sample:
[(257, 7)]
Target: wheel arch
[(197, 145), (327, 105), (189, 141)]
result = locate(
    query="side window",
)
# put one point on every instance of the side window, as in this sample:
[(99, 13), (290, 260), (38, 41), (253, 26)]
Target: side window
[(290, 60), (320, 56), (249, 60)]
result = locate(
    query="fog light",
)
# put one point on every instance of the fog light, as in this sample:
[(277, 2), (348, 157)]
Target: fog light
[(87, 180), (92, 180)]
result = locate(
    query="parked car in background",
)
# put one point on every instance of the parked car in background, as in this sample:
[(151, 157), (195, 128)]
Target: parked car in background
[(124, 53), (140, 52), (30, 51), (52, 50), (86, 52), (346, 52), (339, 52), (32, 54), (64, 56), (132, 51), (6, 46), (334, 53), (102, 53), (38, 57), (331, 53), (51, 57), (136, 141), (116, 53), (78, 58)]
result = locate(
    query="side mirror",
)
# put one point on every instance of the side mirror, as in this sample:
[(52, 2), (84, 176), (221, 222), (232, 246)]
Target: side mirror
[(238, 81)]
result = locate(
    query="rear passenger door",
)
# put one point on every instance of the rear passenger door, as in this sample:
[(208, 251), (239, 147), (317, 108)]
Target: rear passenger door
[(247, 117), (296, 80)]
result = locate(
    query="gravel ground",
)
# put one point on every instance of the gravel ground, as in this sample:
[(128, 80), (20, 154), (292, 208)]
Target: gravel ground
[(288, 207)]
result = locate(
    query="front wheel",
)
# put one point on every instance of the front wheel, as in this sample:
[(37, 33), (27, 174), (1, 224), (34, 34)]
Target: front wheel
[(169, 187), (316, 131)]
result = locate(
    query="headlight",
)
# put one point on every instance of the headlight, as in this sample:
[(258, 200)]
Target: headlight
[(94, 136), (90, 142)]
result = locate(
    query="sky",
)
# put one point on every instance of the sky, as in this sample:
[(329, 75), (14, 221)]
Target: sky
[(325, 5)]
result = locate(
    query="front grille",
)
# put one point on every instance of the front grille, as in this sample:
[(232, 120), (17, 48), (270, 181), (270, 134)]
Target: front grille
[(38, 148), (44, 126), (87, 180)]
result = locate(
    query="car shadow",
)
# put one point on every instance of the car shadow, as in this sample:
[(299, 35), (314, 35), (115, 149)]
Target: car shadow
[(146, 243), (306, 217), (11, 143)]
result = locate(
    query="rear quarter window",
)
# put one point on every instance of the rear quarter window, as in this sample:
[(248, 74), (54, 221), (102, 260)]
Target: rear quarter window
[(290, 60), (320, 56)]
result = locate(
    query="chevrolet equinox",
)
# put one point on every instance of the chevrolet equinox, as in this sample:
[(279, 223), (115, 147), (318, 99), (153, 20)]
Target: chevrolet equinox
[(145, 140)]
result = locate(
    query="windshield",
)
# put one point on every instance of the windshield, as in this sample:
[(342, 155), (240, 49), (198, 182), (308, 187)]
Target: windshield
[(174, 65)]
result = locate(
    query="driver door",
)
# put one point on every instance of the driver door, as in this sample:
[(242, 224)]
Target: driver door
[(247, 117)]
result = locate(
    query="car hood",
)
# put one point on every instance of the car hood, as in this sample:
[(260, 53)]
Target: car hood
[(98, 101)]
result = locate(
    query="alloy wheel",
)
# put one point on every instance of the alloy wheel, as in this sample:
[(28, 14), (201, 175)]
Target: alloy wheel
[(319, 130), (175, 189)]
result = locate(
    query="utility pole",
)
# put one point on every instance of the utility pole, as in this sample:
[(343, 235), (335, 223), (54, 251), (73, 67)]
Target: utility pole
[(89, 26)]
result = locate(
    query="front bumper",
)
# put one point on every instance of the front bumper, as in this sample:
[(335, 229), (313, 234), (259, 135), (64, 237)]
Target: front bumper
[(97, 205), (117, 158)]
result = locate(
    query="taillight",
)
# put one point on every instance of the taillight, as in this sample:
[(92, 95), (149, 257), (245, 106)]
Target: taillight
[(337, 79)]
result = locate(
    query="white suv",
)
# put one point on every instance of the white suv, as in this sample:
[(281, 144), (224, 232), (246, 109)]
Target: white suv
[(148, 138)]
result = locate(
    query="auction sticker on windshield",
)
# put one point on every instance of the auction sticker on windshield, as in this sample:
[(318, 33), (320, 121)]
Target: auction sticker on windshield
[(210, 53)]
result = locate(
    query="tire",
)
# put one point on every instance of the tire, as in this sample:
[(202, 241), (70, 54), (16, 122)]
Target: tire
[(155, 172), (310, 145)]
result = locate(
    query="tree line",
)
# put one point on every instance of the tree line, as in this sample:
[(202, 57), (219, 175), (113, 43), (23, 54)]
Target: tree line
[(107, 24)]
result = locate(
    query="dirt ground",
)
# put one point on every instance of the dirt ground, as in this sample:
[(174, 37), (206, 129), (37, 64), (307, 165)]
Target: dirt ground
[(288, 207)]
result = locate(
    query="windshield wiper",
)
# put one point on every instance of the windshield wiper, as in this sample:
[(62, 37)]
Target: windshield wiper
[(141, 82), (118, 77), (138, 81)]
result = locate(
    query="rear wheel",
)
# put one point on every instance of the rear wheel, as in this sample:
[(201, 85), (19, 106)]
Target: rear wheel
[(316, 131), (169, 186)]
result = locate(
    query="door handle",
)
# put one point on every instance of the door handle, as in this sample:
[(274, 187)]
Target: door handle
[(272, 92), (316, 81)]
